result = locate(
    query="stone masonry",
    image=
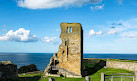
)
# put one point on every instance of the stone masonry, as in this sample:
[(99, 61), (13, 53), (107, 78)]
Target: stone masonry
[(132, 66), (69, 58)]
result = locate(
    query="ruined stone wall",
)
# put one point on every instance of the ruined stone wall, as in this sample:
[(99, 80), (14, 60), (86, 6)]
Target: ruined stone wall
[(122, 65), (70, 52)]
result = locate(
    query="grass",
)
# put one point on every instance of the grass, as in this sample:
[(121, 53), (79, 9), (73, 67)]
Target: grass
[(94, 77), (108, 71), (31, 75), (89, 63)]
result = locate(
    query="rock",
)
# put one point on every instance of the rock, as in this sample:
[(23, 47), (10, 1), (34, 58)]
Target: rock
[(6, 62), (1, 74), (29, 68), (51, 79), (8, 70)]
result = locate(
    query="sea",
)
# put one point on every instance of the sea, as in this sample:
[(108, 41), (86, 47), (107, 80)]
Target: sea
[(42, 59)]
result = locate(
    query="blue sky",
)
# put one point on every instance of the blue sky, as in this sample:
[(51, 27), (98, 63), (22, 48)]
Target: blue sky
[(110, 26)]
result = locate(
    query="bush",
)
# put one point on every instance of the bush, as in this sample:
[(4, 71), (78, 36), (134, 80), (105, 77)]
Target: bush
[(29, 68)]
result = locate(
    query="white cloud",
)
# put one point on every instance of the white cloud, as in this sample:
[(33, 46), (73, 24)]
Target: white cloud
[(99, 33), (130, 34), (20, 35), (122, 26), (118, 27), (98, 7), (115, 30), (112, 32), (130, 23), (92, 32), (48, 4), (125, 30), (49, 39), (128, 37)]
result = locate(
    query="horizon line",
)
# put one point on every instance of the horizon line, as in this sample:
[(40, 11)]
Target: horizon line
[(53, 53)]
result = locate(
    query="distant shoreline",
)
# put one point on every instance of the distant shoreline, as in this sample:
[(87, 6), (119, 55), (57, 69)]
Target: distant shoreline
[(53, 53)]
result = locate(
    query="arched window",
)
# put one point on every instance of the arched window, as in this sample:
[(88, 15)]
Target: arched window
[(67, 29), (70, 29)]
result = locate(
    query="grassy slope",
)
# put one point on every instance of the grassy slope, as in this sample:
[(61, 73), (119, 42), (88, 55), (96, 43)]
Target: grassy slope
[(94, 77)]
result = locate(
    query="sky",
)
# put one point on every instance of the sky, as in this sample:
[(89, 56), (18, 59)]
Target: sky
[(33, 26)]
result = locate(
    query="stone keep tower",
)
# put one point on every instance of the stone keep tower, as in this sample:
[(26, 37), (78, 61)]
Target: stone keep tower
[(68, 60), (70, 52)]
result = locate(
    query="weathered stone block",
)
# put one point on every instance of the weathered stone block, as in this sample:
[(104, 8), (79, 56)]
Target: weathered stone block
[(87, 78)]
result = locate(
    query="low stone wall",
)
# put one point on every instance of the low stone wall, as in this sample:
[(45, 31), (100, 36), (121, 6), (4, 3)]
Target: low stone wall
[(132, 66)]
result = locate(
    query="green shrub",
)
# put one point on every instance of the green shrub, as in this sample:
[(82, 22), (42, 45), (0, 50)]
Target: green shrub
[(29, 68)]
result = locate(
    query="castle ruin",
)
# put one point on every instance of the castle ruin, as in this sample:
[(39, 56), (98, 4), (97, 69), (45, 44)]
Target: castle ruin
[(68, 61)]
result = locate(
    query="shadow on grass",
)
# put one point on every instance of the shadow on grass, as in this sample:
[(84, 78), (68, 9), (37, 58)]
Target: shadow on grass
[(89, 70), (33, 78)]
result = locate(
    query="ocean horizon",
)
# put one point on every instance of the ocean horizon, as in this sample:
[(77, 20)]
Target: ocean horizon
[(42, 59)]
